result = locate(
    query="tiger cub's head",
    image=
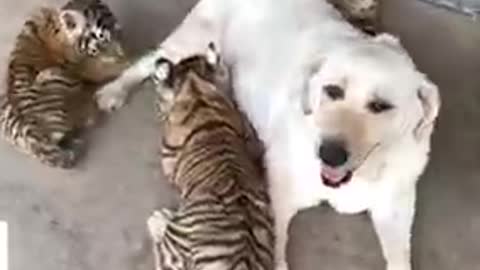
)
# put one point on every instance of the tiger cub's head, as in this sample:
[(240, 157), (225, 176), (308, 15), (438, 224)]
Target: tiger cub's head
[(199, 78), (79, 34)]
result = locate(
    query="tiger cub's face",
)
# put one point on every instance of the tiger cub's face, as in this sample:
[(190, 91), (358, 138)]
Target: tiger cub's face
[(83, 36)]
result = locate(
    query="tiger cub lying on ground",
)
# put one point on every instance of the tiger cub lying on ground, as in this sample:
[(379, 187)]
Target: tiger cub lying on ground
[(224, 219), (59, 60)]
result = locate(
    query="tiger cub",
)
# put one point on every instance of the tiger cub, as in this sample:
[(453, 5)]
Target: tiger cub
[(59, 59), (224, 219)]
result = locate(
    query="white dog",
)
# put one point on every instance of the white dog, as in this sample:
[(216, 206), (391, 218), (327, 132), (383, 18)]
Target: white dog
[(345, 118)]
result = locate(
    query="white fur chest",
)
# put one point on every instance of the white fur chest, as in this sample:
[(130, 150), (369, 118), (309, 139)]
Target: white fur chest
[(356, 196)]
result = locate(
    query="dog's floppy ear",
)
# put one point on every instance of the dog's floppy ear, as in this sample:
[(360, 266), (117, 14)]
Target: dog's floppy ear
[(305, 99), (429, 97)]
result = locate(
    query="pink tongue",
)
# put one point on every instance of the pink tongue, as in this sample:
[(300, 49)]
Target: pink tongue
[(332, 175)]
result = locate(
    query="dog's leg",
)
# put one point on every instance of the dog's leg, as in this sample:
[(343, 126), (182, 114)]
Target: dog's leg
[(393, 223), (283, 210), (283, 213), (283, 216), (113, 95), (201, 26)]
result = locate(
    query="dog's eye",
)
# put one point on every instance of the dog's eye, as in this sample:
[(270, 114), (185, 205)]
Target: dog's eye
[(379, 106), (334, 92)]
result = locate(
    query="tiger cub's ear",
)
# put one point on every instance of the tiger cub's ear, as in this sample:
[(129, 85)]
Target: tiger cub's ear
[(222, 72), (162, 79), (213, 57), (163, 71), (73, 23)]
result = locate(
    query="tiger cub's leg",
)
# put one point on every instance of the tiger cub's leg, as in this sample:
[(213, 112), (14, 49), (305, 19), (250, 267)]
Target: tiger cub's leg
[(157, 224), (83, 113), (28, 135), (39, 123), (79, 106), (58, 122)]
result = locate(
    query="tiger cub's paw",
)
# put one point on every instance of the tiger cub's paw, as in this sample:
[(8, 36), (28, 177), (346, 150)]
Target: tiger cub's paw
[(157, 223), (49, 74), (281, 265), (66, 153), (61, 158)]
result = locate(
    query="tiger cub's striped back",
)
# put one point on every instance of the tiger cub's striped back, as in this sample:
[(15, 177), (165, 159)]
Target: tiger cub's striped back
[(224, 219), (59, 59)]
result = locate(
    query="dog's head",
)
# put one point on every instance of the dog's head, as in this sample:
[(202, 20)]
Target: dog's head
[(365, 101)]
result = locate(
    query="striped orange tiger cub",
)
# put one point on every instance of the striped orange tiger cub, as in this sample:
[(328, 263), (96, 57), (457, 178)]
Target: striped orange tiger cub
[(61, 56), (224, 219)]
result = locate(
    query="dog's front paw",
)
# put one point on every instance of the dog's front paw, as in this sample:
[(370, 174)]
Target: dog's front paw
[(111, 97), (399, 266), (281, 265)]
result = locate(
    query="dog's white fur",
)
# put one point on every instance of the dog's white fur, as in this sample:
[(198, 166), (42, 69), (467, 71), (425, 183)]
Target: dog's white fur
[(282, 54)]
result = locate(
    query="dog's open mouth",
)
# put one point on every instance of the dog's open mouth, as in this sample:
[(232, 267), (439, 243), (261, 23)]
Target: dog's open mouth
[(334, 178)]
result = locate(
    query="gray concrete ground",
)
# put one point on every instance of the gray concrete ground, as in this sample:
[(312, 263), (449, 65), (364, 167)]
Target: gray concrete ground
[(94, 216)]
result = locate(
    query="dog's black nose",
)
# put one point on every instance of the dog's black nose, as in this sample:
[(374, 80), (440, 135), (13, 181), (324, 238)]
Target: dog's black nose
[(333, 153)]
